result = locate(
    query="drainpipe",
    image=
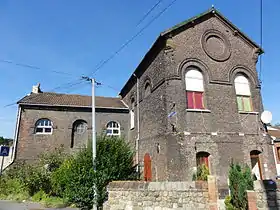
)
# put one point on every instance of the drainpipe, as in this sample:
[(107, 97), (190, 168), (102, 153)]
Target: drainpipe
[(16, 136), (138, 123), (274, 154)]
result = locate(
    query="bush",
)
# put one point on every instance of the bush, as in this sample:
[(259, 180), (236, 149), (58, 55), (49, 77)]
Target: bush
[(228, 204), (34, 177), (240, 180), (76, 178), (201, 173)]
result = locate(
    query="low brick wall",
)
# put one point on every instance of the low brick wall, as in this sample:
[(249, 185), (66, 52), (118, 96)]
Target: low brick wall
[(160, 196), (266, 195)]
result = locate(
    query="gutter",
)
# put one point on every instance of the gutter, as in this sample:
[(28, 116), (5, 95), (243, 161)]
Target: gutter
[(138, 123), (16, 137), (72, 106)]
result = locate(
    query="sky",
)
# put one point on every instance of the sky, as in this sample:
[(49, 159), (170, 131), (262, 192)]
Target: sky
[(74, 36)]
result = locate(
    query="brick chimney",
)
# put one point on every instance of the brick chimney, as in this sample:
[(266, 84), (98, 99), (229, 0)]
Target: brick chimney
[(36, 88)]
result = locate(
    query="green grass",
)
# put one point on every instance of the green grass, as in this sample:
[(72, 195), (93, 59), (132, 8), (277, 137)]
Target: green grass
[(49, 201)]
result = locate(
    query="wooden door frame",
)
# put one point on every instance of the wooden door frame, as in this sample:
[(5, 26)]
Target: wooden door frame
[(259, 163)]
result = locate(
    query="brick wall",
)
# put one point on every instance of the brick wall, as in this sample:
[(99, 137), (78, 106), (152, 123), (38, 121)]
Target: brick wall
[(238, 133), (30, 145), (162, 195)]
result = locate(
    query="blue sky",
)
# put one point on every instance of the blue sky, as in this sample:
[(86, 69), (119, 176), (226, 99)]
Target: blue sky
[(74, 36)]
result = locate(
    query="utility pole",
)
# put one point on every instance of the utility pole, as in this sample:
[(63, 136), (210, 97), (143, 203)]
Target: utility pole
[(93, 82)]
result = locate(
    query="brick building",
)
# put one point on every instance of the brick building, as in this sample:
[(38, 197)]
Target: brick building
[(204, 69), (48, 120), (194, 98)]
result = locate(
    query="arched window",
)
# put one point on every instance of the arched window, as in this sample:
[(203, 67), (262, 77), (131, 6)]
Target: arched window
[(79, 134), (147, 89), (43, 126), (80, 127), (194, 89), (132, 120), (113, 129), (243, 93)]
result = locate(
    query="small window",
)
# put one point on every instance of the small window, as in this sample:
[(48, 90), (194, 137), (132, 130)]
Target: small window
[(243, 93), (132, 116), (113, 129), (278, 153), (147, 90), (43, 126), (194, 89)]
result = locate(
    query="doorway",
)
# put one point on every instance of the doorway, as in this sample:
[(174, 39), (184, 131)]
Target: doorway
[(256, 164)]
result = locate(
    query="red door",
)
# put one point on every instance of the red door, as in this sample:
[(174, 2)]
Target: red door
[(147, 168)]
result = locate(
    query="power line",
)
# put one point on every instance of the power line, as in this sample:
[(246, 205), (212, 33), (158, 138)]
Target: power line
[(132, 38), (147, 14), (63, 86), (36, 67)]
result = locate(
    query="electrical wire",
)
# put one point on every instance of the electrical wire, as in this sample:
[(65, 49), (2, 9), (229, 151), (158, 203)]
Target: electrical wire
[(63, 86), (104, 62), (147, 14), (36, 68)]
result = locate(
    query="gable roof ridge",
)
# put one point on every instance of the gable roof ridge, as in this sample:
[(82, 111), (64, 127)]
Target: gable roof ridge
[(209, 11)]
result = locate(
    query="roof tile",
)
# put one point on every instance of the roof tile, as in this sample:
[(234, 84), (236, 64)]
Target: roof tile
[(71, 100)]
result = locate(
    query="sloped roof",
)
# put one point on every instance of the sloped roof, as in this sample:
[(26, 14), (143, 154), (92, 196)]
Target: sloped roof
[(274, 131), (70, 100), (175, 29), (204, 14)]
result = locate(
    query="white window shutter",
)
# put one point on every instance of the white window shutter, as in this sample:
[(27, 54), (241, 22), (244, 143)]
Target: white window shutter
[(194, 81), (242, 86), (131, 119)]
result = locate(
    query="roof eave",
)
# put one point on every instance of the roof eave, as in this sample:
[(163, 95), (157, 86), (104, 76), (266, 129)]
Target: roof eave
[(71, 106)]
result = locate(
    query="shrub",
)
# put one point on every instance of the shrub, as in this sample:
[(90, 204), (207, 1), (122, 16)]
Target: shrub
[(240, 180), (53, 160), (228, 204), (76, 178), (201, 173)]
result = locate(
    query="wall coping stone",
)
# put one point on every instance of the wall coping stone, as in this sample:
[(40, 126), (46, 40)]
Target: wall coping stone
[(155, 186)]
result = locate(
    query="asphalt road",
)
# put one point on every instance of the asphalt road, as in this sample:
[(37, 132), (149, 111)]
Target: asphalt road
[(8, 205)]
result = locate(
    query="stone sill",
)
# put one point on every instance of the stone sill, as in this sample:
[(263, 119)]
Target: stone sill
[(253, 113), (198, 110)]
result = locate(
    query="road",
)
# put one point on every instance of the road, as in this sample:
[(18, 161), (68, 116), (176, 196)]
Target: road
[(9, 205)]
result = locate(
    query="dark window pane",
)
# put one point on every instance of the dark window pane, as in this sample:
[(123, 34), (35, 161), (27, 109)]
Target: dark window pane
[(109, 131), (115, 131), (48, 130), (39, 130)]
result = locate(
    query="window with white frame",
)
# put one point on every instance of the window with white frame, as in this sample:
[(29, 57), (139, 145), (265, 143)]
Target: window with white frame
[(132, 115), (113, 129), (43, 126), (194, 89), (243, 93)]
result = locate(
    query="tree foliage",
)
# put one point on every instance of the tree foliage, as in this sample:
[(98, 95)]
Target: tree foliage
[(5, 141), (76, 178), (240, 180)]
